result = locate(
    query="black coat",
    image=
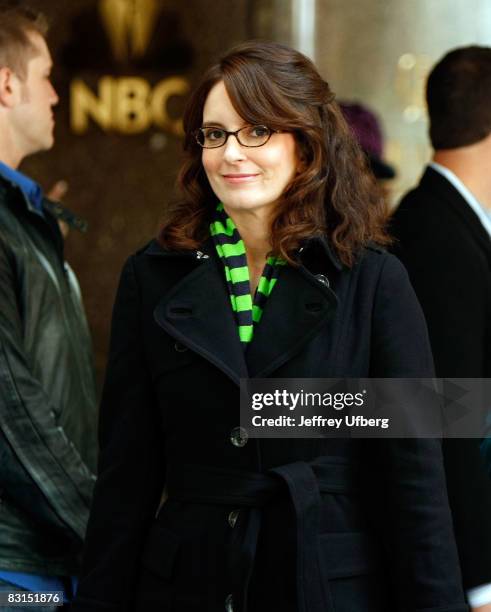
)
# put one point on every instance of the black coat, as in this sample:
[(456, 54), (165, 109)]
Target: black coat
[(377, 537), (48, 403), (447, 253)]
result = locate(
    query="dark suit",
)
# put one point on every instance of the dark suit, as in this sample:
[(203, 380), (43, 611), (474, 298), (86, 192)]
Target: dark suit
[(246, 517), (447, 253)]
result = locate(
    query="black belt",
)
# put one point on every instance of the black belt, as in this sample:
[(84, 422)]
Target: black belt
[(304, 482)]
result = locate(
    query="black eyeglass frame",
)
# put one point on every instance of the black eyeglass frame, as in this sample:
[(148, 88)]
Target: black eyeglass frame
[(199, 131)]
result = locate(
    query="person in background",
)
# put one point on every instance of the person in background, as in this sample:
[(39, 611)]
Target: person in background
[(367, 129), (443, 229), (65, 217), (47, 384), (56, 194)]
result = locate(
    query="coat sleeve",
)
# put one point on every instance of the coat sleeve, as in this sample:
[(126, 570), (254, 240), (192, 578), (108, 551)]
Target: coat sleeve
[(131, 466), (39, 459), (414, 514)]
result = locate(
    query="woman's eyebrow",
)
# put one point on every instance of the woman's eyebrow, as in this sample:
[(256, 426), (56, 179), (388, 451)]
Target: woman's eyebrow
[(213, 124), (219, 124)]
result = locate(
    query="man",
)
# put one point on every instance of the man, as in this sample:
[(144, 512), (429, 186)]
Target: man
[(444, 228), (47, 390)]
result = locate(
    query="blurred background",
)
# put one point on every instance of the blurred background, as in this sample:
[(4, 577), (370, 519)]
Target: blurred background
[(123, 68)]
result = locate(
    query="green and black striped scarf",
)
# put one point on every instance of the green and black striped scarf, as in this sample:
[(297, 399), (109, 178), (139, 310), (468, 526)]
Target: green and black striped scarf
[(231, 250)]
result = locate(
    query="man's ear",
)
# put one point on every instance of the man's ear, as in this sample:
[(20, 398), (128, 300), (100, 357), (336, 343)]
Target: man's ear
[(9, 87)]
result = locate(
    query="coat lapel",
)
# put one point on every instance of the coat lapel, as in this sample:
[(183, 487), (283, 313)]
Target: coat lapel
[(197, 312), (435, 182), (298, 307)]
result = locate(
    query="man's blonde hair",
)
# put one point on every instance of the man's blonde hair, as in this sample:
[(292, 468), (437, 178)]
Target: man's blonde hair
[(16, 48)]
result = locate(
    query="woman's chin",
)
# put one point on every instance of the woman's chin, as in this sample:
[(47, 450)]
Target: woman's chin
[(245, 204)]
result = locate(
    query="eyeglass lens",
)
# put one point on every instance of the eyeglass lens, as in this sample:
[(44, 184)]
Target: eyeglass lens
[(249, 136)]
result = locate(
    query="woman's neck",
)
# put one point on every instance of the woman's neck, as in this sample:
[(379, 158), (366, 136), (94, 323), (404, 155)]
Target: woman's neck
[(254, 229)]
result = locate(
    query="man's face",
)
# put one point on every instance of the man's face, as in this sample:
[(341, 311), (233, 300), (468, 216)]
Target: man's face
[(32, 117)]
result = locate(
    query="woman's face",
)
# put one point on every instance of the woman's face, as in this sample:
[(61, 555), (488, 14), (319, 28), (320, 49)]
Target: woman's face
[(245, 178)]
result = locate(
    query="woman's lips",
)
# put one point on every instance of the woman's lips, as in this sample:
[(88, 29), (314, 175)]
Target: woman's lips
[(239, 178)]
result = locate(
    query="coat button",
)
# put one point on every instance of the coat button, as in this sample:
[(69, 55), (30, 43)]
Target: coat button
[(229, 604), (239, 436), (232, 517), (322, 279), (180, 348)]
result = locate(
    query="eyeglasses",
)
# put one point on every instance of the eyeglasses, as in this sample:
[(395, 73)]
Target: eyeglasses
[(211, 137)]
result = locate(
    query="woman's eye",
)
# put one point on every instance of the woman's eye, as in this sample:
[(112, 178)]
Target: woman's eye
[(259, 131), (214, 134)]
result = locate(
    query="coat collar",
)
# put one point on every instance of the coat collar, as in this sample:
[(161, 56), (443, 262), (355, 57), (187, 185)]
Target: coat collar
[(196, 311), (7, 183), (316, 249), (435, 183)]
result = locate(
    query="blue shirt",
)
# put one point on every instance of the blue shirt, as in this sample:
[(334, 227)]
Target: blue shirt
[(31, 190)]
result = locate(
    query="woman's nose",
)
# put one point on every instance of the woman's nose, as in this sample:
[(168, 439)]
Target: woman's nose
[(233, 150)]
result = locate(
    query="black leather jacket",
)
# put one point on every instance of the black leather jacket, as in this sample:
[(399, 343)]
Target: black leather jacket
[(47, 396)]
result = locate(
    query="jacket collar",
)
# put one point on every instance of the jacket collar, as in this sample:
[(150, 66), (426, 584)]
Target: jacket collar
[(196, 311), (319, 250), (316, 249), (31, 190), (7, 183), (435, 183)]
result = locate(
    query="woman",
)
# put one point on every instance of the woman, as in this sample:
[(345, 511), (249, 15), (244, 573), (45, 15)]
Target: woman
[(189, 513)]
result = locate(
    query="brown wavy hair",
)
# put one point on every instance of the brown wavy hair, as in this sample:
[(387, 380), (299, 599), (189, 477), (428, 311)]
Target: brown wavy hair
[(335, 193)]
